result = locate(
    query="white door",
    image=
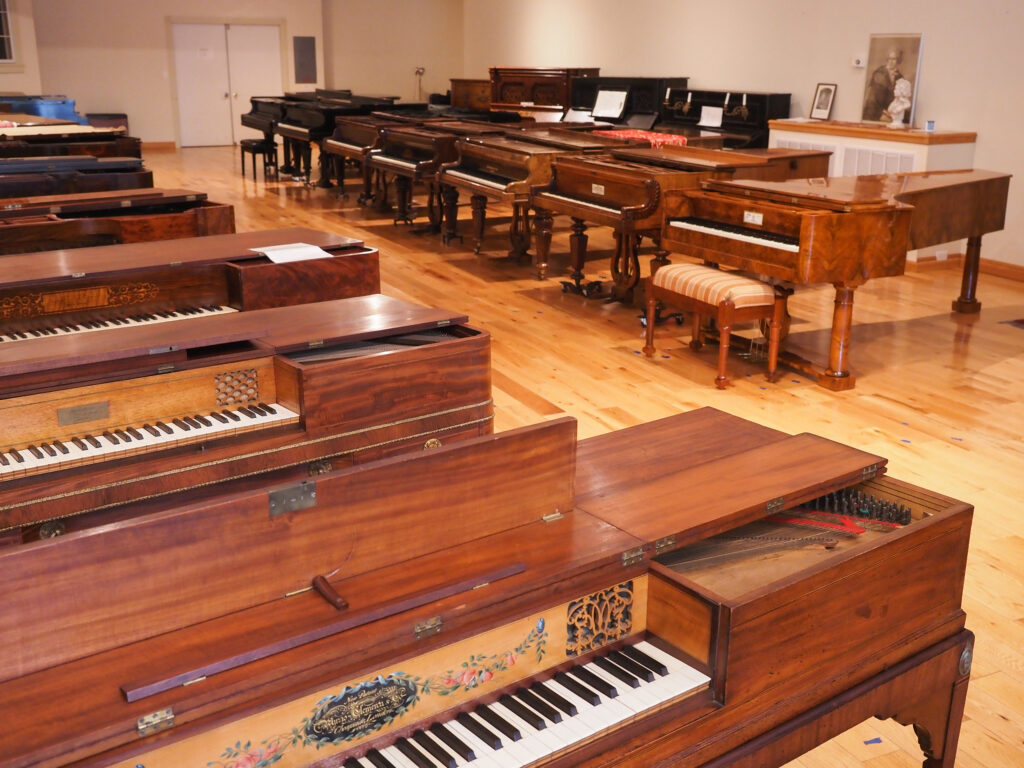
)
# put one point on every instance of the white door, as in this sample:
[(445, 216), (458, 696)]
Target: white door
[(217, 68)]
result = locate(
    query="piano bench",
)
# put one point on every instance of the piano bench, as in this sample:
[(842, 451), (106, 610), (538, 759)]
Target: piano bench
[(268, 149), (729, 297)]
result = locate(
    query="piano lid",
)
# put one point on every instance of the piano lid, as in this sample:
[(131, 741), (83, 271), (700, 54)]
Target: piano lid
[(844, 192)]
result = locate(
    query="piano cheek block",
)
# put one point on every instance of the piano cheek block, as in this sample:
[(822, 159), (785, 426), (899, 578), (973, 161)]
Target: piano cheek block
[(328, 593)]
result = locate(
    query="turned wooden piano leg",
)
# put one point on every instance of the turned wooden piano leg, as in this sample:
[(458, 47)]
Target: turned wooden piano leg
[(967, 303), (578, 249), (837, 376), (478, 208), (519, 231), (403, 195), (324, 162), (542, 222), (434, 215), (450, 213)]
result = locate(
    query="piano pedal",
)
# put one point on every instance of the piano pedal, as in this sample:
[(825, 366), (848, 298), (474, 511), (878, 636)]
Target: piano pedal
[(591, 290)]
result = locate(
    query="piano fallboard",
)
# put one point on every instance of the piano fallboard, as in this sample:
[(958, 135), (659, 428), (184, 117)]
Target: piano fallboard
[(499, 166)]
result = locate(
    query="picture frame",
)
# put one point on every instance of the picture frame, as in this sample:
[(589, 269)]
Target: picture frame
[(892, 79), (821, 104)]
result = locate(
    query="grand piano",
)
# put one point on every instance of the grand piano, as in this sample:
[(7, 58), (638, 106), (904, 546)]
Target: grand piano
[(773, 228), (96, 420), (307, 123), (119, 286), (518, 599), (28, 176), (626, 192), (77, 220)]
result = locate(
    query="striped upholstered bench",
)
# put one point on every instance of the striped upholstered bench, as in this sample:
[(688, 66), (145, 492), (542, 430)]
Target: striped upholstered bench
[(728, 297)]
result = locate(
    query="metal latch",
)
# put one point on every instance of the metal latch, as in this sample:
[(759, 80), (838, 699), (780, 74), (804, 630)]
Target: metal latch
[(157, 721), (292, 498), (427, 628)]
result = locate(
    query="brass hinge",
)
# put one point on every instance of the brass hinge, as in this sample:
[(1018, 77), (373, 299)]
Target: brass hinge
[(157, 721), (292, 498), (427, 628), (632, 556), (775, 504), (552, 516), (665, 544), (165, 368), (869, 473), (315, 344), (443, 323)]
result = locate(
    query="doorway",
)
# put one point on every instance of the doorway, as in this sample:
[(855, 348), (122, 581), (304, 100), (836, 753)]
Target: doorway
[(218, 68)]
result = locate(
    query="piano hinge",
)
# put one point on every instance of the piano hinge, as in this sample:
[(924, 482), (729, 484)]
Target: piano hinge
[(292, 498), (78, 274), (165, 368), (157, 721), (427, 628), (775, 504), (315, 344), (869, 472), (632, 556), (552, 516), (664, 545)]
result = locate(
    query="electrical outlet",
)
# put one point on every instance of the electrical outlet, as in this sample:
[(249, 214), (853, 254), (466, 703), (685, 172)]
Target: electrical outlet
[(859, 62)]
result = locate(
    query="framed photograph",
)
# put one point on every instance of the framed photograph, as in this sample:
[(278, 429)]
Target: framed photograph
[(890, 84), (824, 95)]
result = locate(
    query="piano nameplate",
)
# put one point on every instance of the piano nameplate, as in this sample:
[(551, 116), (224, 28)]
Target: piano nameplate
[(77, 414), (75, 300)]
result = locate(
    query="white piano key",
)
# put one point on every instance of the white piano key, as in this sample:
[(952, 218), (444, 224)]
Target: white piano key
[(127, 322), (683, 677), (637, 699), (604, 715), (477, 179), (567, 731), (762, 241), (512, 747), (536, 742), (397, 758), (485, 756), (576, 201)]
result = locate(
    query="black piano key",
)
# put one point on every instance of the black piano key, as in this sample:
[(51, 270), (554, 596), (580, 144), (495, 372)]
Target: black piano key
[(35, 451), (79, 444), (478, 729), (4, 461), (588, 678), (135, 433), (203, 420), (246, 412), (578, 688), (453, 742), (151, 429), (639, 670), (232, 415), (555, 699), (503, 726), (109, 437), (181, 424), (193, 422), (164, 428), (48, 449), (523, 712), (617, 672), (122, 435), (642, 658), (352, 763), (268, 408), (16, 456), (540, 706), (430, 745), (61, 447), (378, 760), (255, 408), (92, 441), (418, 758), (219, 417)]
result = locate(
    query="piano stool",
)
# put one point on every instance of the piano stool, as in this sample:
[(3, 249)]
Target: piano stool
[(730, 297), (264, 147)]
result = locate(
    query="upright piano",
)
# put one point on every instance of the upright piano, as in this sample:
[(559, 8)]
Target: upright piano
[(518, 599), (635, 102), (503, 168), (96, 420), (543, 93), (76, 291), (28, 176), (741, 116), (773, 228), (307, 123), (626, 192), (77, 220)]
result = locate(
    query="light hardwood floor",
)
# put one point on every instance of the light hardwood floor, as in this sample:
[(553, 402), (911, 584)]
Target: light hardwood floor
[(939, 395)]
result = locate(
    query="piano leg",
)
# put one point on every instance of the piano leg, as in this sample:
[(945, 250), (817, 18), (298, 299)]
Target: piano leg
[(324, 162), (288, 161), (403, 199), (625, 265), (478, 205), (967, 303), (519, 231), (542, 222), (367, 175), (450, 214), (837, 376), (434, 213)]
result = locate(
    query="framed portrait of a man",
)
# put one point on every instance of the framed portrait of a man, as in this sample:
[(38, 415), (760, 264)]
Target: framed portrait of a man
[(890, 85)]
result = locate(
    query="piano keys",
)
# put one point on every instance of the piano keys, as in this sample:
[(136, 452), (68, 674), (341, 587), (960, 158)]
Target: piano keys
[(117, 286), (626, 192), (77, 220), (845, 235), (60, 139), (502, 168), (25, 177), (96, 420), (573, 613)]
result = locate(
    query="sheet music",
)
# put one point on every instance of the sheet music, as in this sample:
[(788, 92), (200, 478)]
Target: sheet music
[(282, 254), (609, 104), (710, 117)]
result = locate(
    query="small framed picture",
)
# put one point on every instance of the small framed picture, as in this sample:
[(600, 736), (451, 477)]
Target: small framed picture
[(824, 95)]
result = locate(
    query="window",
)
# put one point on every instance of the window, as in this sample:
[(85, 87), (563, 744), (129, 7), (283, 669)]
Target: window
[(6, 44)]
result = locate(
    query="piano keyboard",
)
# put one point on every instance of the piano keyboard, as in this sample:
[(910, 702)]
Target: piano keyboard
[(537, 721), (484, 179), (742, 234), (148, 318), (578, 201), (337, 144), (396, 162), (113, 443)]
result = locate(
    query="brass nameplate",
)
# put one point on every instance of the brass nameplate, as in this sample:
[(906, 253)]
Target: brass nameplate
[(292, 499), (361, 709), (76, 414)]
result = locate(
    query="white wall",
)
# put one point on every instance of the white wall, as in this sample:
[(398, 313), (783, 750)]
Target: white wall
[(375, 45), (972, 70), (116, 55)]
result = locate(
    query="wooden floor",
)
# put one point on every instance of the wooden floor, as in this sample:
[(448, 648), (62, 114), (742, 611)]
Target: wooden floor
[(939, 395)]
